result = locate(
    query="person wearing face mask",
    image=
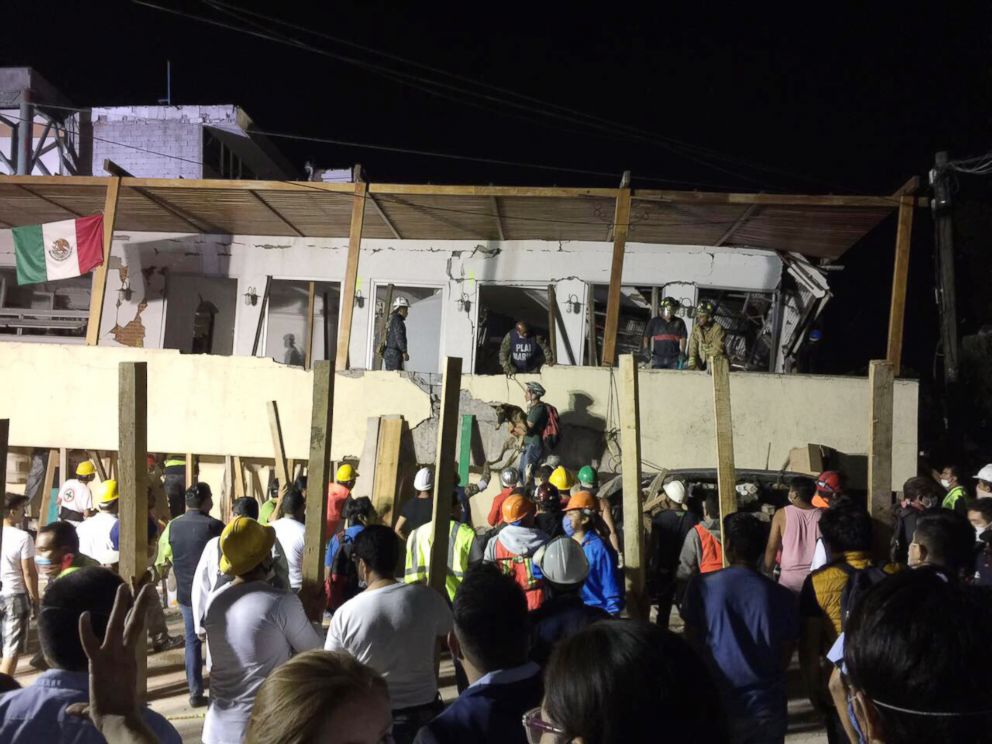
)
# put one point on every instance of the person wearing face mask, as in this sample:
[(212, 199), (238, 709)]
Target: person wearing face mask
[(604, 584), (666, 335), (980, 516), (984, 488), (252, 628), (956, 496), (19, 582), (920, 496)]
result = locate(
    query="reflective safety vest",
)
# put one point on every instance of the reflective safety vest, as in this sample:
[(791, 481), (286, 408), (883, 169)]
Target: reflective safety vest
[(521, 568), (712, 559), (418, 555), (953, 496)]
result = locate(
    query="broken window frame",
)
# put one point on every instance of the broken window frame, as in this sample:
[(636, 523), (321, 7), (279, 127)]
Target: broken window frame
[(375, 285), (330, 345), (65, 325)]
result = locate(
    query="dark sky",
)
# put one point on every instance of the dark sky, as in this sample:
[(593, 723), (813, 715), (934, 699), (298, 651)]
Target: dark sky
[(827, 97)]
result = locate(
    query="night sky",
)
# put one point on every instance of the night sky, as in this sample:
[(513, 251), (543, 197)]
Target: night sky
[(806, 98)]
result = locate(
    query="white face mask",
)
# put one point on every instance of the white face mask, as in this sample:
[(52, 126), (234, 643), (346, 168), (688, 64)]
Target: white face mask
[(982, 493), (945, 483)]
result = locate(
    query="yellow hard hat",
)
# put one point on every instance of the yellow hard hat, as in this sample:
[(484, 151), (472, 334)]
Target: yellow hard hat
[(345, 473), (85, 468), (561, 479), (107, 493), (244, 544)]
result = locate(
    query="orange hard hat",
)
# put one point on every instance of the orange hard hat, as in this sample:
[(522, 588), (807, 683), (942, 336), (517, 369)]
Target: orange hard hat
[(582, 500), (516, 507)]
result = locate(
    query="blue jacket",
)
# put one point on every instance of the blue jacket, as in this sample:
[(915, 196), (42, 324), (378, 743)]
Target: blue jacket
[(557, 619), (491, 710), (334, 543), (604, 585)]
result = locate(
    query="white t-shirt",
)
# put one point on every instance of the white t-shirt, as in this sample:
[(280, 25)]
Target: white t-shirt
[(820, 557), (75, 495), (290, 533), (394, 630), (94, 538), (251, 629), (17, 546), (205, 580)]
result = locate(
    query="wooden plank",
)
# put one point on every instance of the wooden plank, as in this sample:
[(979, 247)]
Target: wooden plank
[(429, 189), (593, 360), (99, 284), (227, 499), (382, 215), (239, 478), (63, 466), (726, 474), (133, 485), (497, 215), (190, 470), (261, 316), (4, 447), (275, 212), (98, 464), (278, 449), (385, 481), (655, 495), (910, 187), (880, 390), (552, 324), (318, 477), (621, 221), (311, 307), (47, 486), (634, 558), (348, 286), (768, 200), (655, 301), (54, 203), (381, 325), (109, 166), (900, 277), (747, 214), (444, 473)]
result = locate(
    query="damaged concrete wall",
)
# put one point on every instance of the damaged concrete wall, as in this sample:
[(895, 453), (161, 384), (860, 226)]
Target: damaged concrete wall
[(66, 396)]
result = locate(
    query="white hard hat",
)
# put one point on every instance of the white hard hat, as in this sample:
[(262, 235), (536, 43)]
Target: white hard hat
[(675, 491), (424, 480), (401, 302), (985, 474), (562, 561)]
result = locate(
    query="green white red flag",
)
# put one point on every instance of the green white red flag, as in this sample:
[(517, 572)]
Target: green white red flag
[(58, 250)]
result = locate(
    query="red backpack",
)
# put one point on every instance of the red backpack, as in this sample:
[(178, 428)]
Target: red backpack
[(552, 430)]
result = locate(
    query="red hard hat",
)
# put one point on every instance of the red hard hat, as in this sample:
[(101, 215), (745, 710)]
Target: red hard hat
[(828, 483), (547, 495)]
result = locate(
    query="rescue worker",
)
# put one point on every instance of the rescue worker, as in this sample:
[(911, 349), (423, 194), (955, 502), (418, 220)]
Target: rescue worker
[(513, 549), (604, 584), (522, 352), (665, 335), (463, 551), (956, 496), (94, 533), (338, 494), (509, 478), (669, 528), (549, 510), (589, 481), (828, 487), (702, 551), (706, 341), (75, 499), (395, 350), (266, 512), (563, 481), (174, 473), (537, 420)]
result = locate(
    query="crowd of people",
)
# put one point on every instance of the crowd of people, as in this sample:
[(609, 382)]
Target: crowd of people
[(531, 616)]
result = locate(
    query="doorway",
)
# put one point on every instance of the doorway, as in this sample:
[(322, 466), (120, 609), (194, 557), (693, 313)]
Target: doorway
[(199, 315), (423, 325), (286, 320), (500, 308)]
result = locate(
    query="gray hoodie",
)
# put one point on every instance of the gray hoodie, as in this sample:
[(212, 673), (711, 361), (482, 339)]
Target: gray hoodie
[(518, 540), (692, 549)]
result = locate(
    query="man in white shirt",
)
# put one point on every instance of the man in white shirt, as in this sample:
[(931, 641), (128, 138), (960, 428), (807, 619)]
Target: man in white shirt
[(289, 534), (395, 628), (252, 628), (75, 499), (94, 533), (19, 579)]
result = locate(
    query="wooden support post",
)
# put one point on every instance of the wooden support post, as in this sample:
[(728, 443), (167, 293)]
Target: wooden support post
[(318, 477), (593, 360), (63, 466), (900, 276), (4, 442), (239, 478), (99, 285), (634, 563), (133, 485), (278, 451), (227, 502), (725, 473), (98, 464), (655, 301), (621, 225), (385, 480), (348, 286), (190, 470), (380, 327), (261, 316), (552, 325), (444, 473), (880, 390), (47, 486), (311, 308)]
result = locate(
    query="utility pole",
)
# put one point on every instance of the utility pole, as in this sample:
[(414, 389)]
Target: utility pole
[(940, 204)]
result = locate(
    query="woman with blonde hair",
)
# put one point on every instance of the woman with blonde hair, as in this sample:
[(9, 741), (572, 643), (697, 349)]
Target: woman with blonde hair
[(321, 696)]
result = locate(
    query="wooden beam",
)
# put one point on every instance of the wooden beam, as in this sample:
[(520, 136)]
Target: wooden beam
[(98, 464), (311, 308), (261, 315), (99, 285), (199, 225), (109, 166), (432, 213), (880, 392), (227, 502), (385, 480), (276, 213), (239, 478), (768, 200), (348, 286), (54, 203), (747, 214), (593, 360), (47, 486), (444, 473), (497, 215), (318, 478), (132, 482), (552, 324), (382, 215), (726, 474), (381, 325), (278, 448), (634, 557), (429, 189), (63, 466), (190, 470), (911, 186), (900, 277), (621, 221)]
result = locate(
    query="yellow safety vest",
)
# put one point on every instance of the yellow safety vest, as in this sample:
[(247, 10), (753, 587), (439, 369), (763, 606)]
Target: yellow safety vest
[(418, 555)]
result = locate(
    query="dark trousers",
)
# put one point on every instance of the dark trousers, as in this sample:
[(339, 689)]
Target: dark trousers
[(665, 598), (194, 653), (671, 362), (392, 360), (408, 721)]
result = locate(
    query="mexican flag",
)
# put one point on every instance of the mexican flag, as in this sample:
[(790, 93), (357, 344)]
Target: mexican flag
[(58, 250)]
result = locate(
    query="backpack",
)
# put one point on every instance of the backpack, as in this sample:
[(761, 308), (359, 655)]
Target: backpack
[(342, 584), (859, 581), (552, 429)]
